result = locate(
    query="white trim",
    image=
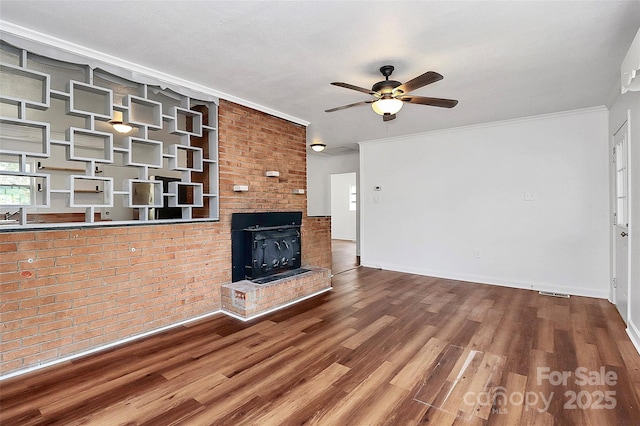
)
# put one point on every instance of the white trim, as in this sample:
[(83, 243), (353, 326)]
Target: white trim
[(45, 39), (634, 334), (107, 346), (486, 125), (277, 308), (536, 286)]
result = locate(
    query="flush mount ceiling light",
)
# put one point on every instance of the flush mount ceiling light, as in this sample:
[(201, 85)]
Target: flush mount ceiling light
[(117, 123), (318, 147), (390, 95)]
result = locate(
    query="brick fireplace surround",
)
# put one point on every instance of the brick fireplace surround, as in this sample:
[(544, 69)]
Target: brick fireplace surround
[(87, 288)]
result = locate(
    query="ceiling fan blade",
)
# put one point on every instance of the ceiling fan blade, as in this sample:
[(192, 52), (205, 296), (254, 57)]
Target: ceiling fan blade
[(352, 87), (388, 117), (438, 102), (349, 106), (418, 82)]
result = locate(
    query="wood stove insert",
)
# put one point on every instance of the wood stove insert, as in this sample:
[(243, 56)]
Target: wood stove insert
[(265, 246)]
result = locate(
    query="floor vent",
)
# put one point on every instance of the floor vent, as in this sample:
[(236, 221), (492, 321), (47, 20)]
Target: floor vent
[(551, 293)]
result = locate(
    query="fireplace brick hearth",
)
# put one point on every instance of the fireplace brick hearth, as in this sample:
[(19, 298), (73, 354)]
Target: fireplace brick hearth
[(247, 299)]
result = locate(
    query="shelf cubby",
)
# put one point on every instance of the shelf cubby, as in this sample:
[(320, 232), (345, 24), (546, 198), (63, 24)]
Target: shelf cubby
[(34, 186), (185, 194), (23, 85), (143, 112), (185, 119), (89, 145), (185, 158), (88, 100), (144, 193), (89, 191), (143, 152), (24, 137)]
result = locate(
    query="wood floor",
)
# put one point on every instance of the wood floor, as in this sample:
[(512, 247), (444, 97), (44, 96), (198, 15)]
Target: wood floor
[(382, 348), (343, 256)]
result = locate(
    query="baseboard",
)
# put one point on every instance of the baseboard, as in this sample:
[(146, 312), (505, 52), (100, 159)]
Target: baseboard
[(634, 335), (574, 291)]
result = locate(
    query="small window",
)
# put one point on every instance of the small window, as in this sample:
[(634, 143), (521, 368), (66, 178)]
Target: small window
[(15, 190), (353, 197)]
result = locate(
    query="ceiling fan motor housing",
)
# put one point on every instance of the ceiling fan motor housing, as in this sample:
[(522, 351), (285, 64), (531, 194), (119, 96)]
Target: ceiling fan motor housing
[(386, 86)]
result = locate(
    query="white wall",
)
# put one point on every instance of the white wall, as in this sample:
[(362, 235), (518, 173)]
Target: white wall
[(343, 220), (618, 114), (319, 170), (450, 196)]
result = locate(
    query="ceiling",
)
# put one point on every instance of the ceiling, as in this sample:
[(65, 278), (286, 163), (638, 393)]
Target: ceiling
[(500, 59)]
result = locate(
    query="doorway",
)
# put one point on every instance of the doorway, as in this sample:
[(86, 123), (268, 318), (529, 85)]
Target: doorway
[(344, 210)]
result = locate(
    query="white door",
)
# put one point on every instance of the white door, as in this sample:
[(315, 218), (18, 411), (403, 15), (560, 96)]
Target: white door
[(621, 215)]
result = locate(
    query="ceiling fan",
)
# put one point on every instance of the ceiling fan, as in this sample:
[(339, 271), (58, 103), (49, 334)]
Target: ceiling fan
[(390, 95)]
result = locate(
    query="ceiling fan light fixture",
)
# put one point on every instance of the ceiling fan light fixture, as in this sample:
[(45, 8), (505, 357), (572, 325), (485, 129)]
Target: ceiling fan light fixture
[(318, 147), (387, 106)]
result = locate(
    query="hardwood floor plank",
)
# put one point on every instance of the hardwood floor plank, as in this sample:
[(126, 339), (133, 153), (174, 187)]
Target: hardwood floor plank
[(348, 411), (484, 381), (415, 368), (383, 402), (175, 415), (146, 406), (369, 331), (297, 398), (232, 394), (515, 385), (544, 335)]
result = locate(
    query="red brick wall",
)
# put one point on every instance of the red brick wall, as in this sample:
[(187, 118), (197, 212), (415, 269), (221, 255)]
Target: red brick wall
[(251, 143), (316, 241), (87, 287)]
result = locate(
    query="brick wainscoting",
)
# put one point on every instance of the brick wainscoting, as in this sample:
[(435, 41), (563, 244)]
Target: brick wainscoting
[(68, 291)]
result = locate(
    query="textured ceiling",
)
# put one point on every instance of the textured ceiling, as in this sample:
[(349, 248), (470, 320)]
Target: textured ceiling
[(501, 60)]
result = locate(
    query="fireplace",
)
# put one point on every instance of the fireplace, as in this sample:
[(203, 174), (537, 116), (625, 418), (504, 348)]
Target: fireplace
[(265, 246)]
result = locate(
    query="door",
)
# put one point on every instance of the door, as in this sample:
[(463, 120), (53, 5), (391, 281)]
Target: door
[(621, 220)]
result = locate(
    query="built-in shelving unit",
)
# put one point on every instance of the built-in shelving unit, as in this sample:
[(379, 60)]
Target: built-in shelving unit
[(165, 169)]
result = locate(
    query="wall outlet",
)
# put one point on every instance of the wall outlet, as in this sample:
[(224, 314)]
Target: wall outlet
[(529, 196)]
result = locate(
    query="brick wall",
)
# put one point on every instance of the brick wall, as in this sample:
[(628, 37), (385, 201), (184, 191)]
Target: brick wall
[(87, 287), (251, 143)]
